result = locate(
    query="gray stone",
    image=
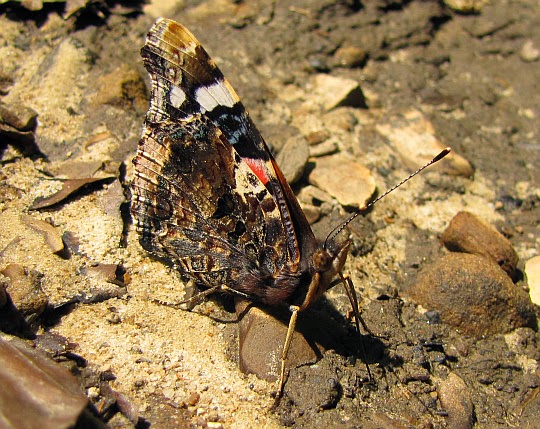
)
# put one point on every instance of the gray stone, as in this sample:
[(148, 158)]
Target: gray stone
[(334, 91), (413, 137), (346, 180), (292, 158)]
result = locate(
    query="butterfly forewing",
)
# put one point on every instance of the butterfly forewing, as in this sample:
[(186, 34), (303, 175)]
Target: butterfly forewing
[(206, 192)]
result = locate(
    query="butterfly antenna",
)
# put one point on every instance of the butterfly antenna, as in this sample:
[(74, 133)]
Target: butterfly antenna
[(342, 226)]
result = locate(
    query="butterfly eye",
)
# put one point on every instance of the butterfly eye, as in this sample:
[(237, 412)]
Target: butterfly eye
[(322, 260)]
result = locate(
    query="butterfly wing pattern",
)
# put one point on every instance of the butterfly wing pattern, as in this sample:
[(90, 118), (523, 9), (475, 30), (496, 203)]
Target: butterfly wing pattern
[(207, 194)]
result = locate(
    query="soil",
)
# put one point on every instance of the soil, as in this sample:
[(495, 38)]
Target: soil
[(473, 75)]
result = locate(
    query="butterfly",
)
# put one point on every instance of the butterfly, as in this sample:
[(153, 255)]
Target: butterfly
[(208, 196)]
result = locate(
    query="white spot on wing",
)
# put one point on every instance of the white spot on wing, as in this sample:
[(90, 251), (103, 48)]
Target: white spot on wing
[(176, 96), (217, 94)]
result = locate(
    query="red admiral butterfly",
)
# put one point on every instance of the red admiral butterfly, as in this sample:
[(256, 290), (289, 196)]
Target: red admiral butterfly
[(208, 195)]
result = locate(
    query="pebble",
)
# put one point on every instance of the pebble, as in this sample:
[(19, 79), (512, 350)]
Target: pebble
[(333, 92), (18, 116), (317, 137), (193, 399), (262, 337), (473, 294), (412, 135), (17, 124), (293, 157), (469, 234), (529, 53), (466, 6), (456, 400), (350, 56), (343, 178), (327, 148), (50, 234), (532, 271), (24, 289)]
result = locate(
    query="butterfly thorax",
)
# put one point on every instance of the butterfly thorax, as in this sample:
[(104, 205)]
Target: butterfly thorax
[(313, 278)]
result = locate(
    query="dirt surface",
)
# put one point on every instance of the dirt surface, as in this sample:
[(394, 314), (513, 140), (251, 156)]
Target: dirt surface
[(472, 76)]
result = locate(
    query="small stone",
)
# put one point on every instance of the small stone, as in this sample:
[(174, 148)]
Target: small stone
[(50, 234), (326, 148), (18, 116), (532, 271), (529, 52), (473, 294), (312, 213), (292, 158), (346, 180), (317, 137), (110, 273), (334, 91), (466, 6), (413, 137), (350, 56), (155, 8), (24, 289), (469, 234), (456, 400), (261, 343), (193, 399)]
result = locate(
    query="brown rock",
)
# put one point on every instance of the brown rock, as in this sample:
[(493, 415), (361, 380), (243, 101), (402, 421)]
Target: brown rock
[(317, 137), (18, 116), (474, 295), (262, 337), (24, 289), (469, 234), (350, 56)]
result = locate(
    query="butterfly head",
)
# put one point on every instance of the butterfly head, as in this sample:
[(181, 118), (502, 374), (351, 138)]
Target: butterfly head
[(326, 263)]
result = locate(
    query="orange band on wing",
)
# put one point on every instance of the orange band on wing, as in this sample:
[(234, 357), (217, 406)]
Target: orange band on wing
[(257, 166)]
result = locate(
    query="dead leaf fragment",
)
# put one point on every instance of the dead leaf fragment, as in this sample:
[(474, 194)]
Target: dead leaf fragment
[(69, 187), (29, 381)]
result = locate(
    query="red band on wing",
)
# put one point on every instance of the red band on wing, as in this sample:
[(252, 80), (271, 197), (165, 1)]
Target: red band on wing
[(257, 166)]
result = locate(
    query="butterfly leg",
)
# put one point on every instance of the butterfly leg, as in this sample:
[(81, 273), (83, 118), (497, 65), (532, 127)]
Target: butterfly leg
[(290, 332), (199, 296), (351, 294)]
